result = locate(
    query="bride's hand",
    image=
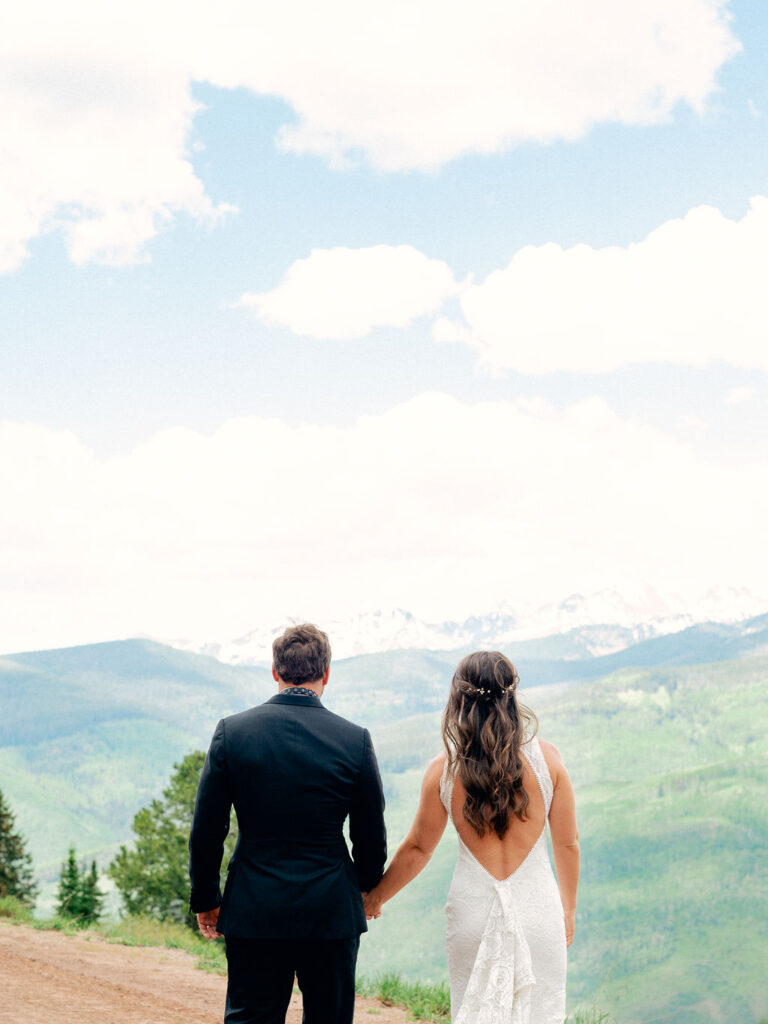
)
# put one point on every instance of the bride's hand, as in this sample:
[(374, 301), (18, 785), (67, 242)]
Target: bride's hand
[(570, 926), (372, 905)]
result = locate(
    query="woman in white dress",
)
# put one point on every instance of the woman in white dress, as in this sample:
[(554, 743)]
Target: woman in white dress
[(508, 920)]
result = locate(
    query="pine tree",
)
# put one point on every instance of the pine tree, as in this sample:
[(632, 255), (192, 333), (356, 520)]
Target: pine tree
[(153, 877), (79, 898), (93, 898), (16, 878), (69, 886)]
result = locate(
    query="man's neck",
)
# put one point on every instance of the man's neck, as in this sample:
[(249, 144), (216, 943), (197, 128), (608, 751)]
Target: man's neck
[(315, 687)]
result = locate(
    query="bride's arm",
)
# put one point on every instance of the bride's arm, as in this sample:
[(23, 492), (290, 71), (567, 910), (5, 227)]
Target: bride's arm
[(565, 836), (418, 846)]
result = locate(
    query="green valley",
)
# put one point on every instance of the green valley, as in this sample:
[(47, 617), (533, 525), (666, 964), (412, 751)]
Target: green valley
[(666, 743)]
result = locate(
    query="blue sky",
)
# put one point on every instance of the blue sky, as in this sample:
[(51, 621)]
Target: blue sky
[(477, 174)]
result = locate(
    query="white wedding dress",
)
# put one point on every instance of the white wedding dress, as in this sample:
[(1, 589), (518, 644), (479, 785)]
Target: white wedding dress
[(506, 939)]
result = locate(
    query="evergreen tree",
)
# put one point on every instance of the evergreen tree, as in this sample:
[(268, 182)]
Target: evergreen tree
[(153, 877), (16, 878), (69, 886), (79, 896), (93, 898)]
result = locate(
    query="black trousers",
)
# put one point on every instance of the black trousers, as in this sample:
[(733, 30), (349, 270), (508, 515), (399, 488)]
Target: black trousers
[(261, 973)]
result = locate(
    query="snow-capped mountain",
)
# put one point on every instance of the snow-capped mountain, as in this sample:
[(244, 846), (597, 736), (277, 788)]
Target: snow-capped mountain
[(360, 634), (607, 621)]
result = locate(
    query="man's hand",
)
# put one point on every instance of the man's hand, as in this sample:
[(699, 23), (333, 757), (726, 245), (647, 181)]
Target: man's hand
[(372, 905), (207, 922)]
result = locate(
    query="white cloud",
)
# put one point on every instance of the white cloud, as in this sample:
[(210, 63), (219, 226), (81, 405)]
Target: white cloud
[(95, 106), (94, 137), (418, 84), (691, 293), (739, 395), (444, 329), (345, 293), (438, 506), (692, 423)]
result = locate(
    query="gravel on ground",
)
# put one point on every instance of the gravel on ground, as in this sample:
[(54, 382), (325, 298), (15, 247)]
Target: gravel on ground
[(50, 978)]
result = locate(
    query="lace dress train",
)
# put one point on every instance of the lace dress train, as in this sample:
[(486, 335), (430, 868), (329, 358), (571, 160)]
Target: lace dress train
[(506, 939)]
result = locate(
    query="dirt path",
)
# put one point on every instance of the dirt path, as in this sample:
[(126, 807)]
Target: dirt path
[(49, 978)]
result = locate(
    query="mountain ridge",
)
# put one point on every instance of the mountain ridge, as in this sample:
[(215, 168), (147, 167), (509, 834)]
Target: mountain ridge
[(608, 622)]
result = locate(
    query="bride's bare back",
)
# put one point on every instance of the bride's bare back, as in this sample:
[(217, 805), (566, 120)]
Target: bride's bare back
[(501, 857)]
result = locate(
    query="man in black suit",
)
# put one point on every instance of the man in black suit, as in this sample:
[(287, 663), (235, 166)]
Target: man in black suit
[(292, 902)]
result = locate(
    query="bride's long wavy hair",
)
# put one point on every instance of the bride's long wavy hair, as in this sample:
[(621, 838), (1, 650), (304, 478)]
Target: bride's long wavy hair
[(484, 726)]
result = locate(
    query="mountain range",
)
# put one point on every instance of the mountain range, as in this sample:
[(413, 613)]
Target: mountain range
[(608, 621)]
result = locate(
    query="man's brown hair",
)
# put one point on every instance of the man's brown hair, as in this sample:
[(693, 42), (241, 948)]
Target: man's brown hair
[(302, 654)]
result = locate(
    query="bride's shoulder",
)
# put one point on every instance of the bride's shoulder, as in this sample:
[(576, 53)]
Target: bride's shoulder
[(548, 749), (435, 768), (437, 763), (551, 756)]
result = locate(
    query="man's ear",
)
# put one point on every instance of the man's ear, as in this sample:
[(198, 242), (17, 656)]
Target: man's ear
[(325, 677), (275, 676)]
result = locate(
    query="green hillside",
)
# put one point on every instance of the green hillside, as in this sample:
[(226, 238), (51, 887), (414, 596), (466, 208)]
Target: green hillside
[(670, 766), (89, 734)]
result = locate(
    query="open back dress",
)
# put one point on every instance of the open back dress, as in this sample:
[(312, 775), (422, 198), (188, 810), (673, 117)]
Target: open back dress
[(506, 938)]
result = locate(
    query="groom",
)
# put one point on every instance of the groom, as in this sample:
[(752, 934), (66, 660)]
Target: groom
[(292, 905)]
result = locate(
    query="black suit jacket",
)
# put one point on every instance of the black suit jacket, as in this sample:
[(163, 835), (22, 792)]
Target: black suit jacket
[(294, 772)]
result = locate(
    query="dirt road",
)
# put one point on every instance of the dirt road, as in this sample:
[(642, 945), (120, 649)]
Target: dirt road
[(49, 978)]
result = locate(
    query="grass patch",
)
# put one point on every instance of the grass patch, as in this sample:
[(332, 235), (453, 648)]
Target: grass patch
[(432, 1002), (146, 931), (12, 909), (66, 925), (428, 1002), (591, 1016), (129, 931)]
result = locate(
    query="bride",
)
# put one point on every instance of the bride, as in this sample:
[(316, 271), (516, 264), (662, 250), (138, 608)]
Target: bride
[(508, 920)]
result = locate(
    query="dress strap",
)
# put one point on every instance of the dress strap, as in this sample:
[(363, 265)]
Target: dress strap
[(535, 756), (446, 787)]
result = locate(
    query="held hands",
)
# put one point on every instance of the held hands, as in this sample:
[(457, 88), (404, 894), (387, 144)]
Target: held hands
[(372, 905), (207, 922)]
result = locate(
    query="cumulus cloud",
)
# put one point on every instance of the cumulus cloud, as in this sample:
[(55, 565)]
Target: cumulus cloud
[(435, 505), (94, 137), (345, 293), (691, 293), (415, 85), (96, 110)]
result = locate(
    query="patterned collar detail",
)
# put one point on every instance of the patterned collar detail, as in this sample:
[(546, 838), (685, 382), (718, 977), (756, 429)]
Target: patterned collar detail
[(300, 690)]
